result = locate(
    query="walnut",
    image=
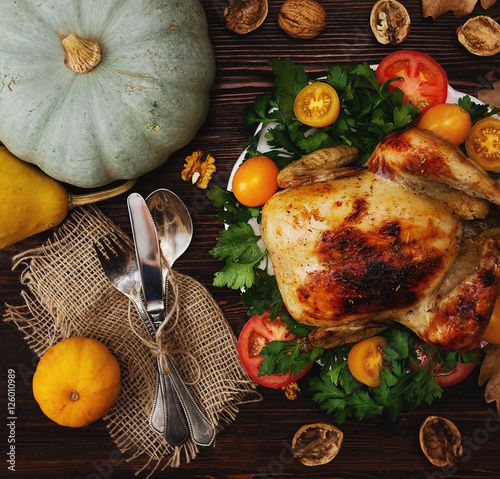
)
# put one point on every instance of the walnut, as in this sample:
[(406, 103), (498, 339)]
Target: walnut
[(244, 16), (441, 441), (316, 444), (199, 172), (480, 35), (390, 22), (302, 18)]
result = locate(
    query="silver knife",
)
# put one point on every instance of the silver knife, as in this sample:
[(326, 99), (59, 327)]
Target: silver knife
[(147, 248), (168, 415)]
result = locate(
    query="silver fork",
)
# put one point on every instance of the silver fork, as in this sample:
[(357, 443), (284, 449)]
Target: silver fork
[(118, 261)]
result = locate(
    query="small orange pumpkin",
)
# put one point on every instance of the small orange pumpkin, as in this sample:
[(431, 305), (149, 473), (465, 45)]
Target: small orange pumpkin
[(76, 381)]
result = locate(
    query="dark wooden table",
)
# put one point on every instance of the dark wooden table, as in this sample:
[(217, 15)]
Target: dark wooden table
[(257, 444)]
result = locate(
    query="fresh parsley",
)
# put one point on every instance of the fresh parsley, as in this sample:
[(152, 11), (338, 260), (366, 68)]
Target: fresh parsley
[(368, 112), (477, 111), (400, 390), (287, 357)]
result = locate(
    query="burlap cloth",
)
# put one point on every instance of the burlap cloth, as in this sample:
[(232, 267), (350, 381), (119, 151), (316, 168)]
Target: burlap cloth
[(69, 295)]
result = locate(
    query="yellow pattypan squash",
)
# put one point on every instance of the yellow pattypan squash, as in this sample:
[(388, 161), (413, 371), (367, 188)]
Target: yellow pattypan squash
[(76, 381)]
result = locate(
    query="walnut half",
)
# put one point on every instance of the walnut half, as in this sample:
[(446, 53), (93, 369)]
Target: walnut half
[(441, 441), (390, 22), (317, 444), (244, 16), (480, 35)]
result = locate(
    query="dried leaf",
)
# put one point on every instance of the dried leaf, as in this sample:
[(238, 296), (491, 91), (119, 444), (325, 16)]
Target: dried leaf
[(487, 3), (491, 97), (490, 372), (460, 8)]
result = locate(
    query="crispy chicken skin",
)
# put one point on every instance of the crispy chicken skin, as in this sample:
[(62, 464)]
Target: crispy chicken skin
[(377, 246)]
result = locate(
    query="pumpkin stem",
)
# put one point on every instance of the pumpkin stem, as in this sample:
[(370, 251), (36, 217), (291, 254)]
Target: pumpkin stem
[(74, 396), (87, 198), (81, 55)]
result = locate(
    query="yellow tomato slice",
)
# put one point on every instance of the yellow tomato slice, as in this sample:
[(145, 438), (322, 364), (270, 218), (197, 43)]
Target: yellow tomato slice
[(483, 143), (492, 333), (317, 105), (366, 360)]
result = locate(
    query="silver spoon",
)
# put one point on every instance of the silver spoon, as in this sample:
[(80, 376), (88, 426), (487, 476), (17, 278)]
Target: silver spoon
[(175, 231)]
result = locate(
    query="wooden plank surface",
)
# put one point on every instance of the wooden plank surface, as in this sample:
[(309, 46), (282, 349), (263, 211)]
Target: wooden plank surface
[(257, 444)]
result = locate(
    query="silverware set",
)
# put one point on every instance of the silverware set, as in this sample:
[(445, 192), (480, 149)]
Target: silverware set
[(162, 231)]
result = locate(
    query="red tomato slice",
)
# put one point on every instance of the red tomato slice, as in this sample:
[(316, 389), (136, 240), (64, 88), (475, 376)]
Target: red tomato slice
[(443, 377), (425, 82), (255, 334)]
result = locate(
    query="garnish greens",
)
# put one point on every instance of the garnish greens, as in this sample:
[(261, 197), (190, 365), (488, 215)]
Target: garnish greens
[(368, 114), (340, 394)]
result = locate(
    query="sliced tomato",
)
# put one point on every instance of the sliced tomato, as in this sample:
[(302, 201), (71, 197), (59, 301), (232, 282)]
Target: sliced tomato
[(492, 333), (444, 377), (424, 83), (366, 360), (317, 105), (483, 143), (255, 334)]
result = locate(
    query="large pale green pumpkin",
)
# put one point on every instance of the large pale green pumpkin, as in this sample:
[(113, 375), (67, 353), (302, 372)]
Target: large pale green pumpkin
[(145, 99)]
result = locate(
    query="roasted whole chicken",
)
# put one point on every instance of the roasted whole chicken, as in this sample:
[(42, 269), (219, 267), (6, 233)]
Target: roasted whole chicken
[(408, 238)]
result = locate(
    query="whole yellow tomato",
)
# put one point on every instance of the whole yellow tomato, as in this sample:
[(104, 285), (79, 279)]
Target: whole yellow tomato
[(447, 120), (255, 181)]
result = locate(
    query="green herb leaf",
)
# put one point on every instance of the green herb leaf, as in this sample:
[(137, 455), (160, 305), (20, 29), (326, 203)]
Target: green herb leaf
[(283, 357), (296, 328), (263, 294), (235, 276), (238, 243), (476, 111), (233, 212)]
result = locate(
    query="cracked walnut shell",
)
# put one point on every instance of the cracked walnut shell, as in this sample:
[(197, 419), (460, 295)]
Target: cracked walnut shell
[(317, 444), (480, 35), (302, 18), (390, 22), (441, 441), (244, 16)]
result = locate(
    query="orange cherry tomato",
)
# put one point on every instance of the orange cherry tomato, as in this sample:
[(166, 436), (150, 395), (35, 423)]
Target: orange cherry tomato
[(366, 360), (447, 120), (255, 181), (483, 143), (317, 105), (492, 333)]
